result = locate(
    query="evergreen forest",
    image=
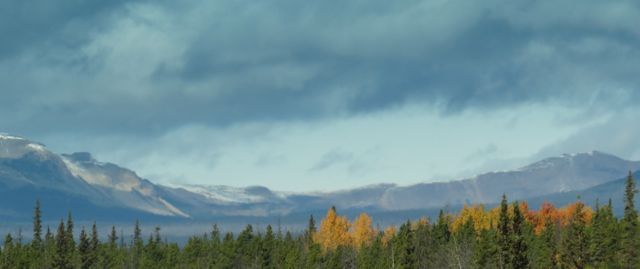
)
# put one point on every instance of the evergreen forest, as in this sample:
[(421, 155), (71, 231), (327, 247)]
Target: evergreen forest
[(507, 236)]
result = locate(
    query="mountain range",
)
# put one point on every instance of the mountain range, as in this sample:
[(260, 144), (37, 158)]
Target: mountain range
[(106, 191)]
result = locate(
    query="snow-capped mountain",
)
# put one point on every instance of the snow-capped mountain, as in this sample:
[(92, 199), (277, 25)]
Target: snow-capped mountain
[(79, 182), (76, 180)]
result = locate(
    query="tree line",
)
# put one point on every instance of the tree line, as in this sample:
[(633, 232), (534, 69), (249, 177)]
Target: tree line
[(508, 236)]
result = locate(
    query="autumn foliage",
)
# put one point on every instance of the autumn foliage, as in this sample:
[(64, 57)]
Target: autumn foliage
[(336, 230)]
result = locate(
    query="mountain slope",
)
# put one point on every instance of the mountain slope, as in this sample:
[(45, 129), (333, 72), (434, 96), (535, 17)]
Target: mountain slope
[(78, 182), (120, 184), (557, 174), (70, 182), (613, 190)]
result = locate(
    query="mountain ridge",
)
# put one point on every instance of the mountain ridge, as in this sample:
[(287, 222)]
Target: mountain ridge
[(29, 168)]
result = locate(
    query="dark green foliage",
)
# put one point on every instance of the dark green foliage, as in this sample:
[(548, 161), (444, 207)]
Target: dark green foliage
[(425, 244), (69, 234), (8, 252), (84, 250), (136, 245), (630, 245), (574, 245), (374, 255), (94, 245), (227, 252), (486, 250), (267, 249), (519, 248), (49, 249), (441, 231), (310, 231), (604, 237), (63, 258), (36, 242), (545, 249), (504, 235), (404, 248), (571, 242), (462, 245)]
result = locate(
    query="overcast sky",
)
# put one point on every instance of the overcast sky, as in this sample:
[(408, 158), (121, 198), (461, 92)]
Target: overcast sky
[(321, 95)]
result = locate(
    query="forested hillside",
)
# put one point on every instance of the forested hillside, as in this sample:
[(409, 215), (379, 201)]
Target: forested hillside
[(508, 236)]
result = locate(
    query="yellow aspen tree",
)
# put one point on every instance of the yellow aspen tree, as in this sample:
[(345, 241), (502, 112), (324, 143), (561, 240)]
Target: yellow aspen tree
[(334, 231), (362, 232), (477, 214)]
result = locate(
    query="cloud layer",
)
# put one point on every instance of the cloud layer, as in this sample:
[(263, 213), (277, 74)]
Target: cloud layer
[(143, 70)]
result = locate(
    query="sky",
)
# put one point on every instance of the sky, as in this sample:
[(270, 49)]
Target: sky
[(321, 95)]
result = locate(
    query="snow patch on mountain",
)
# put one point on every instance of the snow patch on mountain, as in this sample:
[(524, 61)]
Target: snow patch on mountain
[(130, 189), (124, 183), (228, 194), (15, 147), (5, 136)]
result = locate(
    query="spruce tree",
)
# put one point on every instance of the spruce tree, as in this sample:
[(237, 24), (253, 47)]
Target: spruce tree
[(137, 234), (70, 242), (113, 238), (504, 235), (441, 230), (49, 249), (84, 250), (154, 252), (574, 251), (519, 248), (291, 250), (404, 247), (310, 231), (111, 253), (95, 244), (462, 245), (228, 252), (214, 245), (246, 247), (8, 252), (425, 245), (63, 256), (630, 242), (36, 241), (547, 246), (268, 246), (486, 250), (137, 245), (604, 241)]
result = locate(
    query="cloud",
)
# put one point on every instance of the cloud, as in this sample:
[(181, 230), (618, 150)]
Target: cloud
[(617, 134), (28, 26), (331, 159), (151, 67), (482, 153), (146, 78)]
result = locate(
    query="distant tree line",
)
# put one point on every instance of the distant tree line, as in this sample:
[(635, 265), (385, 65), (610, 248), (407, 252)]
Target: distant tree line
[(509, 236)]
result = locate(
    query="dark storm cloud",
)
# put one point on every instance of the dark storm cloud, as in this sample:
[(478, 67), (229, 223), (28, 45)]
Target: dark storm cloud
[(36, 24), (241, 61)]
